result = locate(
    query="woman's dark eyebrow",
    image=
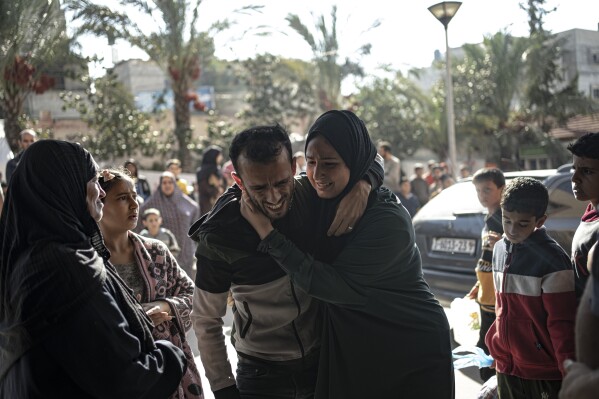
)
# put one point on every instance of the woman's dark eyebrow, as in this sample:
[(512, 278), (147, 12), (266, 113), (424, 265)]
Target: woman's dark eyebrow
[(125, 193), (322, 158)]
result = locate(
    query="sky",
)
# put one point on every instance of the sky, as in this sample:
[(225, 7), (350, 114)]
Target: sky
[(406, 38)]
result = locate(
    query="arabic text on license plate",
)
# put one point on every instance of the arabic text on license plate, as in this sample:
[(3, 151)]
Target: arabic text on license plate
[(459, 245)]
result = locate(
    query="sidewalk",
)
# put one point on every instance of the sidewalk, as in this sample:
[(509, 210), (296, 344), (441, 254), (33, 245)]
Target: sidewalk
[(467, 381)]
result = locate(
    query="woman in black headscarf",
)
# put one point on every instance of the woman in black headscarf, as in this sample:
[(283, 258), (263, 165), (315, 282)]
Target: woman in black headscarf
[(141, 183), (69, 327), (210, 179), (385, 334)]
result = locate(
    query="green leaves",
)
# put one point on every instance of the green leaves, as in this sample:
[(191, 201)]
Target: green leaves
[(32, 35), (396, 110), (278, 90), (325, 49), (116, 127)]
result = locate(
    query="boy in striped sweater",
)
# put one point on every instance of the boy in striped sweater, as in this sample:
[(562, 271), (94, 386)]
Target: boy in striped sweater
[(535, 298)]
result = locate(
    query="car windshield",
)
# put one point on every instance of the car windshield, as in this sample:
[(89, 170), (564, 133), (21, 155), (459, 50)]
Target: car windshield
[(455, 200)]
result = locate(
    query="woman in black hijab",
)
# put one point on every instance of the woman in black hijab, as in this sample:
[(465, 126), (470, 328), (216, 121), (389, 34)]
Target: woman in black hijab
[(69, 327), (141, 183), (210, 180), (385, 334)]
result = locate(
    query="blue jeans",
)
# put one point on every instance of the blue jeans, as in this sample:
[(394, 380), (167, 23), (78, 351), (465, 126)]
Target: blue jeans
[(283, 380)]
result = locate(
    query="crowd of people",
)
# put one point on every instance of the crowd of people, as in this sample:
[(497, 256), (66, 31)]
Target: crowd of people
[(415, 191), (314, 250)]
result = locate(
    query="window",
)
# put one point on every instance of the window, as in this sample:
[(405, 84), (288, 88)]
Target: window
[(532, 164), (596, 93)]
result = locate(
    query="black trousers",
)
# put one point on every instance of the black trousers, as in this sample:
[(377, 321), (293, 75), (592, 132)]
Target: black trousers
[(511, 387), (486, 319), (277, 380)]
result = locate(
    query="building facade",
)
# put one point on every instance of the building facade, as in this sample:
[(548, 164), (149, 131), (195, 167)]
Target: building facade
[(580, 56)]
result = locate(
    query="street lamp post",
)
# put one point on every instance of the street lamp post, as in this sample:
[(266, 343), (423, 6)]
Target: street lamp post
[(444, 12)]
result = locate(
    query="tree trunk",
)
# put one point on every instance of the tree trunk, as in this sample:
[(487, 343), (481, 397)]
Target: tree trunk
[(12, 103), (182, 128)]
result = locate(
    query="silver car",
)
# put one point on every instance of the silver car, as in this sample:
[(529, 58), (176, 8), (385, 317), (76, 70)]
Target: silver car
[(448, 229)]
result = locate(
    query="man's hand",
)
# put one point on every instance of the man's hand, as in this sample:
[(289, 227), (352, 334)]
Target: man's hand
[(493, 237), (473, 292), (350, 210), (580, 381), (255, 217)]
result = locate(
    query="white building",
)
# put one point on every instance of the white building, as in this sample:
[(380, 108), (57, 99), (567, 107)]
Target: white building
[(580, 55)]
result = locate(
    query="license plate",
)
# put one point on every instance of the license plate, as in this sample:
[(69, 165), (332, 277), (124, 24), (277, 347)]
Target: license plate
[(454, 245)]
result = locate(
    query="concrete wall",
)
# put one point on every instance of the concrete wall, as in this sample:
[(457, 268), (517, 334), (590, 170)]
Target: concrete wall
[(49, 106), (138, 75), (581, 55)]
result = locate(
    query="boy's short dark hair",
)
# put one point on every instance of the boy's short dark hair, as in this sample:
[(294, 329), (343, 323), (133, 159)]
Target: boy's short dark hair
[(525, 195), (150, 211), (489, 174), (260, 144), (586, 146), (445, 176)]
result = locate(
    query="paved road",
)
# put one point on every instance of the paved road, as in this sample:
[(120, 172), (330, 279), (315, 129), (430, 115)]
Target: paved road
[(467, 381)]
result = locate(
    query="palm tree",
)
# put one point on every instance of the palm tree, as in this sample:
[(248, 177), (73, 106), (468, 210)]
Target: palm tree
[(32, 35), (487, 91), (177, 47), (325, 49)]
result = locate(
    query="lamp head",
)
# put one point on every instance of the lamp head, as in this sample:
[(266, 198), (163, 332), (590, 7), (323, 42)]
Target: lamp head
[(445, 11)]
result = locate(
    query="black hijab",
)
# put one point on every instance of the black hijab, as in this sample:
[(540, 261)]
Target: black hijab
[(348, 135), (50, 261), (209, 166)]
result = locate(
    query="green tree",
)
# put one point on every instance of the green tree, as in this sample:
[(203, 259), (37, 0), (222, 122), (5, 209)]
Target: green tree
[(510, 92), (176, 46), (397, 110), (487, 92), (325, 49), (220, 132), (279, 90), (550, 99), (32, 35), (117, 127)]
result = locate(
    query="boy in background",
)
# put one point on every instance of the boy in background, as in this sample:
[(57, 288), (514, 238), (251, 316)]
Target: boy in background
[(407, 199), (585, 186), (152, 222), (419, 185), (489, 183), (536, 302)]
